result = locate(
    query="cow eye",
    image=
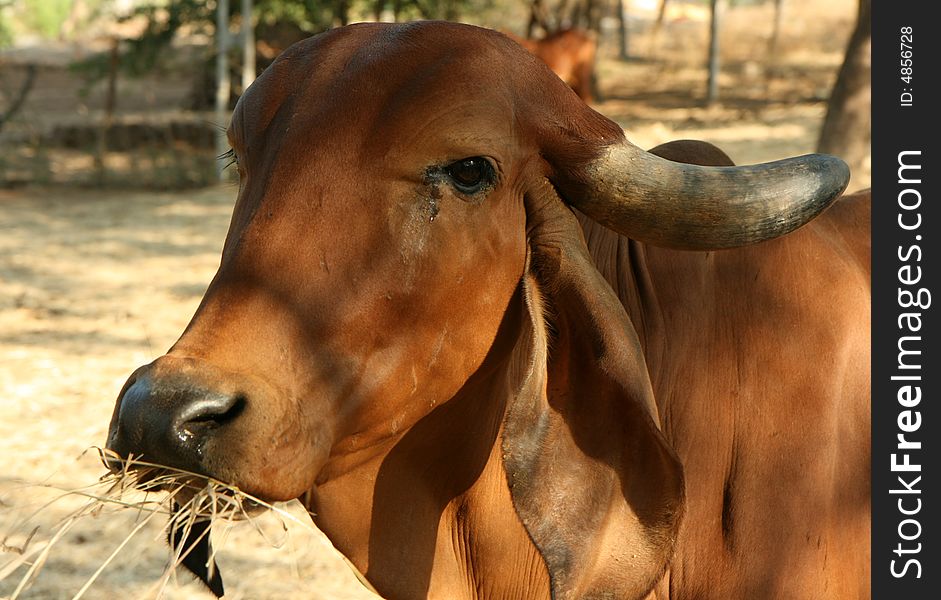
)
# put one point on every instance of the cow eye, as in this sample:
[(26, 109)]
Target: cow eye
[(470, 175)]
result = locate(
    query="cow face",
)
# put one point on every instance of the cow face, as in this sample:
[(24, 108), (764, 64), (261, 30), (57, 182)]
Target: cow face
[(378, 236)]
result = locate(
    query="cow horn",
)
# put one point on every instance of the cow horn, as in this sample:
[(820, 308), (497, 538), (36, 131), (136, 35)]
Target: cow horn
[(665, 203)]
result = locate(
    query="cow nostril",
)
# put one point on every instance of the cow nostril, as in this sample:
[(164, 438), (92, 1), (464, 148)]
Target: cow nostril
[(215, 410), (169, 421)]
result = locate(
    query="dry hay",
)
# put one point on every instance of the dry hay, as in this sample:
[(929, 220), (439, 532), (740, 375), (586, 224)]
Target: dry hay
[(192, 504)]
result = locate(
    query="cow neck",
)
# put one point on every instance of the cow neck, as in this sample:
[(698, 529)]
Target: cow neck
[(436, 503)]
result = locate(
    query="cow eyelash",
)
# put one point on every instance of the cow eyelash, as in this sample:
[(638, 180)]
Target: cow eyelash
[(230, 157)]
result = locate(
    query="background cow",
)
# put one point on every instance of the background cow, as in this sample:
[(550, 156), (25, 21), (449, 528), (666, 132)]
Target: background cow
[(481, 392), (570, 53)]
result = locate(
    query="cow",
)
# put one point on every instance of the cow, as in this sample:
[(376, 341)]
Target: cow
[(498, 351), (570, 53)]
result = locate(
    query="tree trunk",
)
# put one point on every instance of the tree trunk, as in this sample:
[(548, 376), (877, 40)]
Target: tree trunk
[(248, 45), (575, 19), (561, 10), (712, 83), (657, 27), (531, 24), (341, 12), (452, 12), (111, 95), (593, 15), (538, 18), (21, 95), (775, 30), (623, 39), (847, 128), (223, 80)]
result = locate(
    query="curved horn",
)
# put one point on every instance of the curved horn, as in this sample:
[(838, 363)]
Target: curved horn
[(665, 203)]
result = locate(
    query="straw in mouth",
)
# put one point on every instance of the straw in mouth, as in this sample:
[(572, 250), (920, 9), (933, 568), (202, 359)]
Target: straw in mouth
[(192, 502)]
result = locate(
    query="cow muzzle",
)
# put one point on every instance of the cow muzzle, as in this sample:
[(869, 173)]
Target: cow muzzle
[(186, 414), (170, 422), (183, 414)]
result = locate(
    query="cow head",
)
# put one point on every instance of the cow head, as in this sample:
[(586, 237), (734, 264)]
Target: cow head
[(402, 229)]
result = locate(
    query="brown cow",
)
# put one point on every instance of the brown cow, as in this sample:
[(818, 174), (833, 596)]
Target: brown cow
[(480, 392), (570, 53)]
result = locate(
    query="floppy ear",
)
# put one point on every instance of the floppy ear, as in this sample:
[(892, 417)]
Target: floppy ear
[(591, 477)]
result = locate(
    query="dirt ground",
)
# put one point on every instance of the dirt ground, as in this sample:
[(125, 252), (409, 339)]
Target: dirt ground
[(95, 283)]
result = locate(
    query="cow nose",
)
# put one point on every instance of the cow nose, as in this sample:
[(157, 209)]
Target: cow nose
[(208, 410), (169, 423)]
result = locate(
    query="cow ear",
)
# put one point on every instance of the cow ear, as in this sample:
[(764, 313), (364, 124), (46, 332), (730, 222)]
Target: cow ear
[(591, 477)]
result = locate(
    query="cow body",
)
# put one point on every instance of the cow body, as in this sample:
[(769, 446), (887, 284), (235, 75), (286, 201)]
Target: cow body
[(759, 358), (481, 393)]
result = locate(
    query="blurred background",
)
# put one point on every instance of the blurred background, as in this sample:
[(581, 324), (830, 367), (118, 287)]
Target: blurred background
[(126, 92), (114, 206)]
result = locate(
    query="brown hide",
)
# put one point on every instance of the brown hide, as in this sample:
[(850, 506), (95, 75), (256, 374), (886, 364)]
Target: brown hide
[(759, 361)]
